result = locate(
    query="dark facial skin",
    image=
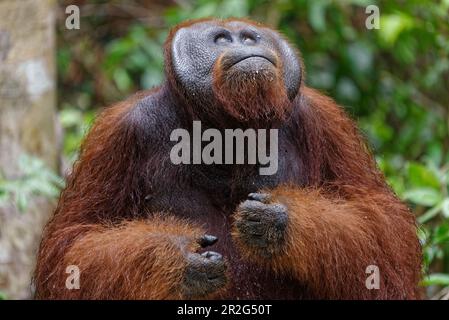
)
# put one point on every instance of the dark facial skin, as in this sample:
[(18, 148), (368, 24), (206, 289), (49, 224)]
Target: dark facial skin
[(254, 64)]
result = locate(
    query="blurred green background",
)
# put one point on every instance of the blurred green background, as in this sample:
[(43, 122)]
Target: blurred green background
[(394, 81)]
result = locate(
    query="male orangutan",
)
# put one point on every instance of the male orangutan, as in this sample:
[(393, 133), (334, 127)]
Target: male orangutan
[(135, 224)]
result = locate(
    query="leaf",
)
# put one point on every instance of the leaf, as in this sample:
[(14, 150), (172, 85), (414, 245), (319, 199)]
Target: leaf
[(122, 79), (444, 6), (392, 25), (35, 179), (22, 201), (445, 208), (423, 196), (422, 235), (70, 117), (430, 253), (441, 233), (317, 15), (421, 176), (440, 279), (429, 214)]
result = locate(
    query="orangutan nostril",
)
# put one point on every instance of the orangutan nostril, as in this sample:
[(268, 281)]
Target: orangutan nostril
[(249, 38), (222, 38)]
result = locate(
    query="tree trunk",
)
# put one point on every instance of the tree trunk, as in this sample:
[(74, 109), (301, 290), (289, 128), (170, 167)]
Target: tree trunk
[(27, 126)]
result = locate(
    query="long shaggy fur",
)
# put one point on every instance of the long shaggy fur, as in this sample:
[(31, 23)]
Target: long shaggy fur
[(255, 98), (332, 241), (127, 216)]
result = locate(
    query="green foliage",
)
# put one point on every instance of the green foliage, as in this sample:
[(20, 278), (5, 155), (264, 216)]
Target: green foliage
[(436, 279), (394, 81), (3, 296), (426, 189), (134, 56), (35, 179), (76, 123)]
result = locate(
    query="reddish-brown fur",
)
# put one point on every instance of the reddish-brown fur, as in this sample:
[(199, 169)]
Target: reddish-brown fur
[(238, 97), (342, 216)]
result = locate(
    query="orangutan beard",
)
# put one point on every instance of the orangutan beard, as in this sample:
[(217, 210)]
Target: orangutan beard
[(254, 98)]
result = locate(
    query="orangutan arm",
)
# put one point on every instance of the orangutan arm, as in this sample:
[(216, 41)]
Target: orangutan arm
[(327, 233), (329, 243), (101, 226)]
